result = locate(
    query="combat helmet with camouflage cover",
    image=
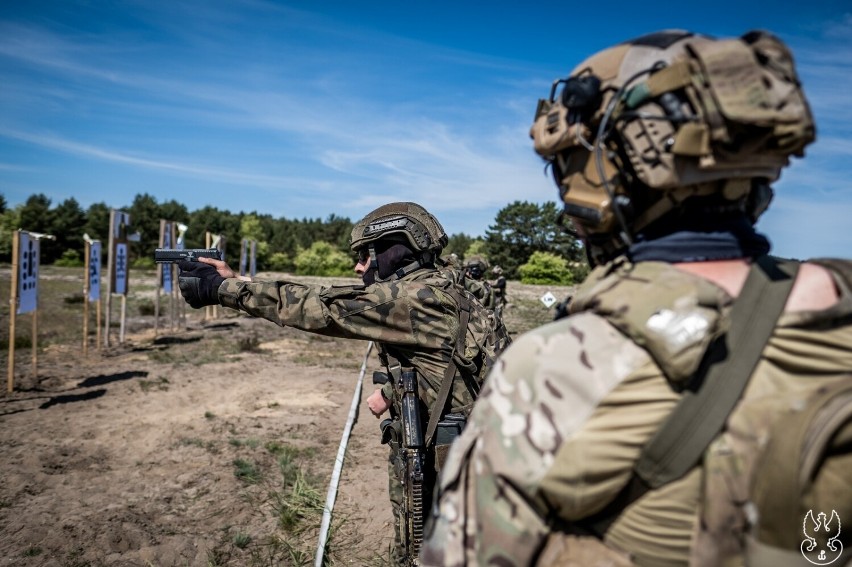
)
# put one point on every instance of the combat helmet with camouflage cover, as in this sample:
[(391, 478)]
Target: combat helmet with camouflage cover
[(640, 128), (405, 221), (476, 266)]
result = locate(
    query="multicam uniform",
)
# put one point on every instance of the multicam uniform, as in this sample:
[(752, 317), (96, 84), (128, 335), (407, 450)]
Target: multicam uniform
[(415, 320), (564, 416)]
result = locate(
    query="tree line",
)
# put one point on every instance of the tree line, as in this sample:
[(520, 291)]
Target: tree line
[(305, 246)]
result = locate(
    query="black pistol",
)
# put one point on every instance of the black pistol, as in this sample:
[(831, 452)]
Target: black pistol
[(172, 255)]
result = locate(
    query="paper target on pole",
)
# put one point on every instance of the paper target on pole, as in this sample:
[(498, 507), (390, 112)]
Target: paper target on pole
[(121, 267), (167, 268), (28, 262), (94, 271)]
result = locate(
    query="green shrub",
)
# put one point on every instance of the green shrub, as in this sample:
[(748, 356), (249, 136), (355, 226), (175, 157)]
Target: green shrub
[(144, 263), (147, 308), (74, 299), (546, 268), (323, 259), (69, 259), (279, 262)]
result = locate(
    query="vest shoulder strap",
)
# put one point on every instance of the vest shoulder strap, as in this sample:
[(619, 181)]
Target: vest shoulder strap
[(700, 415), (450, 372)]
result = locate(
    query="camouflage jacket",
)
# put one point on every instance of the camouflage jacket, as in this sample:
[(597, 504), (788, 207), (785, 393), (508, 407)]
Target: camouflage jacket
[(499, 288), (415, 318), (480, 289), (566, 411)]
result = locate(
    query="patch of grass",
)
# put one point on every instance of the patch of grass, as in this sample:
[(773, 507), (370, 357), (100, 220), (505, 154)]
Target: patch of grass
[(162, 383), (74, 299), (32, 551), (250, 443), (326, 358), (241, 540), (300, 506), (74, 558), (247, 471), (248, 343), (288, 466), (210, 349), (297, 556), (21, 342), (146, 307), (218, 557), (273, 447), (289, 459), (209, 446)]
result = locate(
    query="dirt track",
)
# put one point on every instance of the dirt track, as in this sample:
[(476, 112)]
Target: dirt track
[(165, 450)]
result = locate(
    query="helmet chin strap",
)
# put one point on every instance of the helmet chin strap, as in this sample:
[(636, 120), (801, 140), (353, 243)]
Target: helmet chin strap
[(374, 260), (425, 259)]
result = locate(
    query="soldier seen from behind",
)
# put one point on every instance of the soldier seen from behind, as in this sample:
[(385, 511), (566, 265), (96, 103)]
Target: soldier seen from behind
[(498, 287), (475, 268), (436, 342), (696, 404)]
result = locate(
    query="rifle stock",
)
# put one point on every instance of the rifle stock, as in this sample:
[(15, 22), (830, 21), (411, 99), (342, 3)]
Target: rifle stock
[(414, 454)]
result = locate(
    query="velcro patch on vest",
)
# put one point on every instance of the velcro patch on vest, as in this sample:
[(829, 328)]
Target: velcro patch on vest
[(672, 314)]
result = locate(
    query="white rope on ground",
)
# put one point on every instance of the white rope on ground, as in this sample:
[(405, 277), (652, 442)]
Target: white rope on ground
[(338, 462)]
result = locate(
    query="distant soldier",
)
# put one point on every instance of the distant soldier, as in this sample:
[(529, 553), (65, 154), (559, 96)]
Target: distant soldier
[(474, 268), (498, 287), (452, 260), (695, 407), (436, 341)]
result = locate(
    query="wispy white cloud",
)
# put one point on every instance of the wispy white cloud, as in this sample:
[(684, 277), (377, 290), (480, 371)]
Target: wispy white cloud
[(203, 172), (14, 167), (388, 148), (290, 110)]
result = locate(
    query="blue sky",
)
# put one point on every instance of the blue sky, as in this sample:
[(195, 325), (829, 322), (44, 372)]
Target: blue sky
[(304, 109)]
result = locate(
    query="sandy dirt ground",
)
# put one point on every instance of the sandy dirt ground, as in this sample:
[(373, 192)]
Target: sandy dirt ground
[(118, 459), (166, 449)]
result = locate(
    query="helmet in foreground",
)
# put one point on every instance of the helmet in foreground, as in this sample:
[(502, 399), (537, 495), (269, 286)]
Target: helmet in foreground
[(668, 121)]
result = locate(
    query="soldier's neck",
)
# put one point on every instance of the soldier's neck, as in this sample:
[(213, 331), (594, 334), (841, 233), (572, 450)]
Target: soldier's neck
[(814, 288)]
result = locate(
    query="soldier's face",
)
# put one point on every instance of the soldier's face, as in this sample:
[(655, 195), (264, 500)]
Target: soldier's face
[(362, 266), (363, 261)]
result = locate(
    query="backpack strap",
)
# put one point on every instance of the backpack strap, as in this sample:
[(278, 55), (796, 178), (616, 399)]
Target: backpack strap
[(702, 411), (451, 369)]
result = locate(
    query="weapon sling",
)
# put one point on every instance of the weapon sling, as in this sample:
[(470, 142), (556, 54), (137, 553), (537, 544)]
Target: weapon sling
[(724, 372), (450, 371)]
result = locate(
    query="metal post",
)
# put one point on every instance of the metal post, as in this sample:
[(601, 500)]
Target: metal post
[(87, 266), (13, 309), (338, 462)]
